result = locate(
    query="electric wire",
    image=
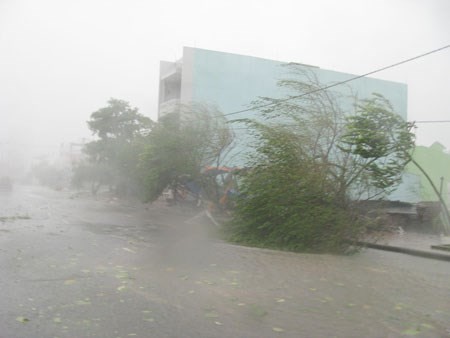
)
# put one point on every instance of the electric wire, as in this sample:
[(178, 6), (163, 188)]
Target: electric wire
[(341, 82), (335, 84), (433, 121)]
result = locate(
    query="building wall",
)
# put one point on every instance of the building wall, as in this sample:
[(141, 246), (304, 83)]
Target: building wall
[(170, 74), (436, 162), (231, 82)]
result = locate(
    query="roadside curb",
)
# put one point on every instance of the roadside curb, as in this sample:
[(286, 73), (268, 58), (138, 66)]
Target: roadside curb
[(408, 251)]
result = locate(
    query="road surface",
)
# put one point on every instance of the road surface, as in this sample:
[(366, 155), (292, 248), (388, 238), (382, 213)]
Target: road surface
[(73, 266)]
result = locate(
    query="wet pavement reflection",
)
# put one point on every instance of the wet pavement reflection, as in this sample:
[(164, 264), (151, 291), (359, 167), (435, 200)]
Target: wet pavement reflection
[(74, 266)]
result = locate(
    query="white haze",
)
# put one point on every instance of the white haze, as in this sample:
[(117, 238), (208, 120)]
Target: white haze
[(61, 60)]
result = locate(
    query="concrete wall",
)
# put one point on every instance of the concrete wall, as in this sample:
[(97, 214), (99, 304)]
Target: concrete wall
[(436, 162), (231, 82)]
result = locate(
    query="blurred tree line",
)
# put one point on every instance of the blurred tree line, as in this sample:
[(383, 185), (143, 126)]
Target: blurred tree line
[(313, 160), (135, 156)]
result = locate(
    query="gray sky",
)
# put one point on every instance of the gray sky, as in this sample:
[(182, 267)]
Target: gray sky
[(61, 60)]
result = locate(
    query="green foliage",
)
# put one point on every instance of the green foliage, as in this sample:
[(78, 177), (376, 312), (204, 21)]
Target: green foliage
[(118, 121), (113, 156), (182, 143), (97, 174), (117, 126), (314, 160), (287, 201), (379, 141)]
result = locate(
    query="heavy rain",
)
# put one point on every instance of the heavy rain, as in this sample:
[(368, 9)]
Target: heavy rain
[(224, 169)]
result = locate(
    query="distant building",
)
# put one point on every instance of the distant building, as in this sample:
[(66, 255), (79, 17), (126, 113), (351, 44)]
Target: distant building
[(231, 82)]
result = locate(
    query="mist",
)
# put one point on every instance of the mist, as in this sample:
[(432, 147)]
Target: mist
[(61, 60), (98, 259)]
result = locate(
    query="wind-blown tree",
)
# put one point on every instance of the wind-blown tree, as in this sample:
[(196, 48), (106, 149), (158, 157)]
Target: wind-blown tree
[(113, 156), (184, 141), (375, 132), (380, 143), (288, 199), (310, 165)]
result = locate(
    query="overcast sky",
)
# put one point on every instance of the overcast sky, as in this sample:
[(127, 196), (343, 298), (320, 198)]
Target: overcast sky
[(61, 60)]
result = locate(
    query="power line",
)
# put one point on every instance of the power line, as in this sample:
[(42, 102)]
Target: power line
[(435, 121), (294, 124), (341, 82), (338, 84)]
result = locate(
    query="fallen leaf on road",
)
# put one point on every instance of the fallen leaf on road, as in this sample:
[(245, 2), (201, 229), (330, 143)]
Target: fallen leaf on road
[(411, 332), (57, 320), (121, 288), (211, 314), (122, 275), (280, 300), (70, 282), (218, 323), (22, 319), (277, 329), (376, 270), (83, 302), (129, 250)]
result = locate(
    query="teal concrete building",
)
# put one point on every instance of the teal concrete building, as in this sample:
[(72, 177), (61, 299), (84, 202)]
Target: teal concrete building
[(232, 82)]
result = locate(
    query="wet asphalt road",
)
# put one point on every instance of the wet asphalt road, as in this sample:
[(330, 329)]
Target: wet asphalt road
[(73, 266)]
